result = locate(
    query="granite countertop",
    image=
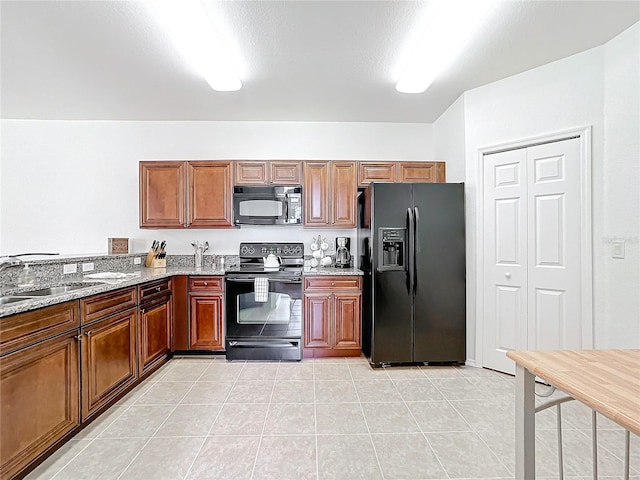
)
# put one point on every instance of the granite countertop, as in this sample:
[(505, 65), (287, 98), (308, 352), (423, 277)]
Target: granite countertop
[(311, 271), (138, 277), (97, 286)]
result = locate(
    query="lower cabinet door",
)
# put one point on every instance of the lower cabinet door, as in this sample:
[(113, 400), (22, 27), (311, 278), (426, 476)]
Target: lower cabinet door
[(39, 394), (346, 317), (108, 359), (317, 314), (205, 322), (155, 334)]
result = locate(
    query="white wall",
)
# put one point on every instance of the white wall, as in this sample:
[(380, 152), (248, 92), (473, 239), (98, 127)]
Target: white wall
[(449, 140), (69, 185), (621, 177), (589, 88)]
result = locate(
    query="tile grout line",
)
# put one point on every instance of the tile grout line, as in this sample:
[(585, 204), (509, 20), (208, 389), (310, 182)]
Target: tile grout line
[(470, 427), (373, 445), (315, 418), (214, 421), (264, 424), (161, 424), (92, 440), (417, 424)]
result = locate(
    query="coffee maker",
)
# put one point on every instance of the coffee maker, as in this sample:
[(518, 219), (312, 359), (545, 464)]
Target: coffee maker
[(343, 252)]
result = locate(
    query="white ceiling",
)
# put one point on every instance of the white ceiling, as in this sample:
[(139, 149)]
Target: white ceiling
[(298, 60)]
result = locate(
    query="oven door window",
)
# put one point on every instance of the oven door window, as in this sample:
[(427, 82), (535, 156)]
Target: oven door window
[(277, 309), (279, 316)]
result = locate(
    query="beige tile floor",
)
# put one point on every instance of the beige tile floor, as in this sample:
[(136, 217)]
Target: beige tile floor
[(204, 418)]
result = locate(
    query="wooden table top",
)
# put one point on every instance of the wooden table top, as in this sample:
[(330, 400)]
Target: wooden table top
[(608, 381)]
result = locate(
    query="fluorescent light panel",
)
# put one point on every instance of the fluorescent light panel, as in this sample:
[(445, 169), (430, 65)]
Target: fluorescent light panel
[(450, 25), (188, 24)]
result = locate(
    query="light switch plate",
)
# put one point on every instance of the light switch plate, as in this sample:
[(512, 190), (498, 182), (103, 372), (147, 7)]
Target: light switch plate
[(69, 268), (88, 267), (617, 249), (137, 260)]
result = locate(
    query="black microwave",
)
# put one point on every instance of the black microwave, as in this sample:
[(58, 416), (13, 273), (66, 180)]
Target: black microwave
[(268, 205)]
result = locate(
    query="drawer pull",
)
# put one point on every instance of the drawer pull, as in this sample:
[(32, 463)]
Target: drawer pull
[(88, 334), (78, 337), (158, 288)]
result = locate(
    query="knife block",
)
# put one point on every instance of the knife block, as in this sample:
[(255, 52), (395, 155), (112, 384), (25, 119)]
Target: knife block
[(159, 263)]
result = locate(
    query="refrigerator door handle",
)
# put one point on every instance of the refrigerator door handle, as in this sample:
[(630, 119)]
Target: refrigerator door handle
[(416, 248), (411, 248)]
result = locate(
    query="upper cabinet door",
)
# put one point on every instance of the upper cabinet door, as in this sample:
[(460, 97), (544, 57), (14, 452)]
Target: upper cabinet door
[(418, 172), (285, 173), (376, 172), (344, 191), (251, 173), (316, 194), (210, 194), (162, 194)]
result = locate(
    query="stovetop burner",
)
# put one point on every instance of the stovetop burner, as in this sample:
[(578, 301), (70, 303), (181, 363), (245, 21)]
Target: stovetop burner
[(290, 257)]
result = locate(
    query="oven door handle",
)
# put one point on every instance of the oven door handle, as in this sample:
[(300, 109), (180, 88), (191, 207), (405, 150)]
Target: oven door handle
[(244, 279)]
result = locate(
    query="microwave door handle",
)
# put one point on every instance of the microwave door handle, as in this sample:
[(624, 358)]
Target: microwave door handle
[(286, 208)]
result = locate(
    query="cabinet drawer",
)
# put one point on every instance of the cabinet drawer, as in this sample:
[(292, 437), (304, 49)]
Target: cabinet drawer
[(22, 329), (332, 283), (206, 284), (153, 289), (99, 306)]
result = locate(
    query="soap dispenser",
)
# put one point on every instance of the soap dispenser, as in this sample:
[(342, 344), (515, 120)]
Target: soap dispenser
[(26, 277)]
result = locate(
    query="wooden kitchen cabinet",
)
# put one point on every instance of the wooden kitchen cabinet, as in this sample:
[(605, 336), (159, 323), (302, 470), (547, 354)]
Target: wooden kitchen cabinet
[(206, 307), (154, 326), (162, 194), (377, 172), (332, 316), (177, 194), (39, 394), (430, 172), (210, 194), (330, 190), (284, 172), (268, 172), (109, 347)]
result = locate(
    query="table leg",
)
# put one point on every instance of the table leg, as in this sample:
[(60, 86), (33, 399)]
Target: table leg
[(525, 424)]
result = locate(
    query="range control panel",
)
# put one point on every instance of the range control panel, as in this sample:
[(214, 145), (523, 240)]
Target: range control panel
[(283, 250)]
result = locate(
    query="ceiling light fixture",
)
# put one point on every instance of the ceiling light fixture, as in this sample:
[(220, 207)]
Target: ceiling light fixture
[(450, 24), (189, 26)]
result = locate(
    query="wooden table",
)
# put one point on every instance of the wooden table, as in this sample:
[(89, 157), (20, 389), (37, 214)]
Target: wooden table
[(607, 381)]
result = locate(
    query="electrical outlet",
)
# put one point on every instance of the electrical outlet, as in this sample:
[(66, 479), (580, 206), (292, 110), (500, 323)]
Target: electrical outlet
[(88, 267), (69, 268), (137, 260)]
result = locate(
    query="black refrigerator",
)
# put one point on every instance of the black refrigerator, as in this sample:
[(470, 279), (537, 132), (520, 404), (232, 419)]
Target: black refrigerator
[(411, 244)]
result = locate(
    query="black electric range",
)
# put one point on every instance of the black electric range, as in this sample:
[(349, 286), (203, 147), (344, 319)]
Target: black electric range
[(264, 305)]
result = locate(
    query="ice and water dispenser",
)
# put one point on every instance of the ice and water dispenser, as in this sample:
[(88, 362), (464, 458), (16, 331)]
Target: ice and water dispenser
[(392, 248)]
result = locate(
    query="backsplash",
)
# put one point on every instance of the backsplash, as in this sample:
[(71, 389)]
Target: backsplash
[(51, 269)]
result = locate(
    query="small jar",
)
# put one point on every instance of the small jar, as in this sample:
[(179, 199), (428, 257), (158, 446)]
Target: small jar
[(220, 263)]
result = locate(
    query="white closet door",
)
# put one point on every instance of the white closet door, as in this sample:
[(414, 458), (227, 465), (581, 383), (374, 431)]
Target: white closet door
[(554, 284), (532, 251), (505, 257)]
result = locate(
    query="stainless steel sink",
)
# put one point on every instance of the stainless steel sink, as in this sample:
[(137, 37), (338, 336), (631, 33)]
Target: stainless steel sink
[(5, 300), (44, 292)]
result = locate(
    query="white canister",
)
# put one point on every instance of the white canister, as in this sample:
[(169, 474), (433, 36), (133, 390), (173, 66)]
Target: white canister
[(325, 262)]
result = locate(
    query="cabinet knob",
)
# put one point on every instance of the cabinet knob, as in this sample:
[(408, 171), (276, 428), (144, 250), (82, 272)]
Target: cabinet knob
[(78, 337), (157, 288), (333, 284), (88, 334), (508, 275), (206, 284)]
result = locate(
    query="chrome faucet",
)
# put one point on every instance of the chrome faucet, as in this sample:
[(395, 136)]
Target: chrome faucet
[(9, 262), (13, 260)]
